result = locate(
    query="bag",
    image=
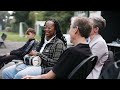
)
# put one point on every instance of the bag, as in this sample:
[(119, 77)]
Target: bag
[(32, 60)]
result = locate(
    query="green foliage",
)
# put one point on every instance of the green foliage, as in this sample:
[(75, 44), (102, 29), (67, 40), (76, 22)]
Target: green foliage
[(29, 17), (62, 16), (23, 16), (15, 27), (3, 15), (30, 22)]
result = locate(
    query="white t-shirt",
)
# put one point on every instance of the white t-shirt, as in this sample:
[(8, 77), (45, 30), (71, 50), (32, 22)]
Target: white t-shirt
[(46, 42)]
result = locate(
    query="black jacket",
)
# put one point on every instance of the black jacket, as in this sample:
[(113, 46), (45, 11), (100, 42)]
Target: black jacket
[(21, 52)]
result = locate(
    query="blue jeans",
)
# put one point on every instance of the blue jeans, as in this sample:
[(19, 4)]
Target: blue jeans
[(17, 72)]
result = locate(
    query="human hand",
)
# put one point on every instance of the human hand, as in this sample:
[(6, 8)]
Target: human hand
[(30, 53), (31, 77), (33, 53)]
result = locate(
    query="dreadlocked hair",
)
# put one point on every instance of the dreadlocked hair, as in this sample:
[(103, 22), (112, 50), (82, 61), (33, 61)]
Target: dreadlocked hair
[(59, 33)]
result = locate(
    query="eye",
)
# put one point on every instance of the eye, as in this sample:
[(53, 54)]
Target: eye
[(44, 27)]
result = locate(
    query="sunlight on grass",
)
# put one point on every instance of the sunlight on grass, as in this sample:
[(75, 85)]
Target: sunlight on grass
[(11, 36)]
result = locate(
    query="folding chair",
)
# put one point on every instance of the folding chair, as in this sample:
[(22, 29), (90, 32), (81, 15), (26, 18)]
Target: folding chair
[(90, 61), (110, 60), (112, 71), (3, 37)]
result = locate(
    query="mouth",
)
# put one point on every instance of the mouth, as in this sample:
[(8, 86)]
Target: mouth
[(47, 33)]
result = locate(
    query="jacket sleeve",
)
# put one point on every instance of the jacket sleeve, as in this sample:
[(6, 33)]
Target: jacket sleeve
[(16, 52), (23, 47), (23, 50), (29, 47), (19, 51)]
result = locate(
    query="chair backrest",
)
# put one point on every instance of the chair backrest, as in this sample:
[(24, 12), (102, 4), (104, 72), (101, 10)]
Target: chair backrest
[(112, 71), (4, 36), (90, 62), (110, 60)]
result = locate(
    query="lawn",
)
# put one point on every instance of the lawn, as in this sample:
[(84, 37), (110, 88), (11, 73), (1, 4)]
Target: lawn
[(11, 36)]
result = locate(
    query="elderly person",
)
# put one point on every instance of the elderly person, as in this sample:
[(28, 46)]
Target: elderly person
[(80, 29), (98, 45)]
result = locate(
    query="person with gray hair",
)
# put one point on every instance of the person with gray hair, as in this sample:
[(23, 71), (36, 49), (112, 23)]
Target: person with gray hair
[(80, 29), (98, 45)]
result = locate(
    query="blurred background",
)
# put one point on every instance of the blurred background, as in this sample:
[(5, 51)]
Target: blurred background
[(15, 23)]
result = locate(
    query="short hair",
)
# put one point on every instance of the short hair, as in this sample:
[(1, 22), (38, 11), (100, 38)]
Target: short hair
[(30, 30), (100, 22), (84, 25)]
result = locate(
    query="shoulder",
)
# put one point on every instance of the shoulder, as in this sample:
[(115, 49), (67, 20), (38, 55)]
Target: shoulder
[(58, 41), (30, 40), (81, 49), (101, 42), (36, 41), (73, 50), (98, 40), (67, 51)]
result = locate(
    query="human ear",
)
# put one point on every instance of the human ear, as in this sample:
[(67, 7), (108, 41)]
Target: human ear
[(76, 29)]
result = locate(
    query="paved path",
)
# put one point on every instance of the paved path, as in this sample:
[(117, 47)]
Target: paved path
[(9, 46)]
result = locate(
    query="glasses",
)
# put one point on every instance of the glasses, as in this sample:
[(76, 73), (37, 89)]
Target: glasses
[(49, 28)]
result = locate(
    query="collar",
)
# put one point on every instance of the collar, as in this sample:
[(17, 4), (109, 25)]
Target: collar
[(31, 39), (52, 40)]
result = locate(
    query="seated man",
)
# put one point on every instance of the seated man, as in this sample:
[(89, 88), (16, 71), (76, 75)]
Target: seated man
[(98, 45), (80, 29), (20, 52)]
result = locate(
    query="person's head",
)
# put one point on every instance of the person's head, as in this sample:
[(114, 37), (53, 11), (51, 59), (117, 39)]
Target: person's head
[(80, 28), (52, 28), (99, 23), (30, 33)]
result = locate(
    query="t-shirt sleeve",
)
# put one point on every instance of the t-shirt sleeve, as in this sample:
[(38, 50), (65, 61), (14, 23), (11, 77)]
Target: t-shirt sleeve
[(62, 68)]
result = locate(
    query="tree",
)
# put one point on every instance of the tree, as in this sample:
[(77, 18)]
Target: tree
[(31, 20), (22, 16), (29, 17), (3, 19), (62, 16)]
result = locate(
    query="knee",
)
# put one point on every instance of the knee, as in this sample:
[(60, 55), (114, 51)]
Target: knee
[(9, 72), (5, 74), (19, 75)]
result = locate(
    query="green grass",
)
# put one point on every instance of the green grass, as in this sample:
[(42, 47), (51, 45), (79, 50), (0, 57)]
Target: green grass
[(11, 36)]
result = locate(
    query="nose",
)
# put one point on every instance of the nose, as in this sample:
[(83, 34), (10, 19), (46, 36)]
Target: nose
[(46, 29)]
